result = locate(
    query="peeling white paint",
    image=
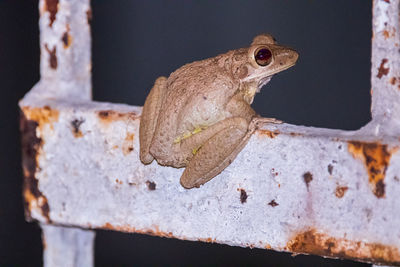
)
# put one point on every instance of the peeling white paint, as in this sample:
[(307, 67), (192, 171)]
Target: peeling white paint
[(381, 15)]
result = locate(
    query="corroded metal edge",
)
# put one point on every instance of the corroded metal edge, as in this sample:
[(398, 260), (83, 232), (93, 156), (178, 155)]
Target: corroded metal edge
[(309, 242), (31, 144)]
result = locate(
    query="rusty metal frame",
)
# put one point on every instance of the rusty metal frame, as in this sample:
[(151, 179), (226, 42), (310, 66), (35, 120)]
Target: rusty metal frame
[(297, 189)]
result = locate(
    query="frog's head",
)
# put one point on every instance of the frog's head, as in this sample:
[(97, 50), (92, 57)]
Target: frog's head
[(262, 60)]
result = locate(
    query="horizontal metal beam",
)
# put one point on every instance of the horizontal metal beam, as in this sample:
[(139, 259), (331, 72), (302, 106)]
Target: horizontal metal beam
[(297, 189)]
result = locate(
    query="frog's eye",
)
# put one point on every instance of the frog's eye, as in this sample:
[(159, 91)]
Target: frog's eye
[(263, 56)]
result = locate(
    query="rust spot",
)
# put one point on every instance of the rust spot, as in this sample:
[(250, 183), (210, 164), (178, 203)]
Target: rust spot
[(270, 134), (386, 34), (382, 70), (118, 181), (274, 173), (393, 80), (295, 134), (273, 203), (340, 191), (105, 114), (52, 8), (31, 144), (89, 15), (127, 146), (42, 116), (207, 240), (313, 242), (76, 124), (66, 39), (307, 178), (330, 169), (155, 231), (151, 185), (387, 1), (376, 158), (380, 189), (108, 116), (53, 57), (243, 196)]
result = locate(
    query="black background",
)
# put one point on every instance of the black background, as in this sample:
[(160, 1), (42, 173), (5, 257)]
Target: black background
[(134, 42)]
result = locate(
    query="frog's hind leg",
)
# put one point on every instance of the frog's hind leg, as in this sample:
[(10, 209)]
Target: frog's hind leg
[(216, 154), (148, 121)]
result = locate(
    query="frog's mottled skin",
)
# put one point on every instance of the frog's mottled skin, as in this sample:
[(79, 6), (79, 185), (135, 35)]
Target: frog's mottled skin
[(200, 116)]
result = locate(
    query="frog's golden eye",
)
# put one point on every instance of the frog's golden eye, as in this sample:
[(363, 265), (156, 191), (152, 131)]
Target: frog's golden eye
[(263, 56)]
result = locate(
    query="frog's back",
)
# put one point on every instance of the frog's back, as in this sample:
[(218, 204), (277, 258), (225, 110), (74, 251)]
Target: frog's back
[(196, 95)]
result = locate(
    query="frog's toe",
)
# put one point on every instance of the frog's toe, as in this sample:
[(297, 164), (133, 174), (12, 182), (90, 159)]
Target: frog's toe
[(146, 158)]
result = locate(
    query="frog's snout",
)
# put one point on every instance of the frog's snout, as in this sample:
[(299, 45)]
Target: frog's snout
[(293, 55), (285, 58)]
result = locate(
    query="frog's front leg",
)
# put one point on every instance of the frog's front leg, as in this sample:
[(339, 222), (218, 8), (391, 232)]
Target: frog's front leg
[(216, 153), (148, 120), (238, 107)]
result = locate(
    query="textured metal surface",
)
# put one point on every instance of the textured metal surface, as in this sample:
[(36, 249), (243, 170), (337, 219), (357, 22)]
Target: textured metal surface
[(385, 67), (298, 189), (292, 188), (67, 247), (65, 74), (65, 46)]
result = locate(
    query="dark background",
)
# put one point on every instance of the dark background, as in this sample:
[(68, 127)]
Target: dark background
[(134, 42)]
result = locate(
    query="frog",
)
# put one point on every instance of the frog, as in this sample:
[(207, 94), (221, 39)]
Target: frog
[(200, 117)]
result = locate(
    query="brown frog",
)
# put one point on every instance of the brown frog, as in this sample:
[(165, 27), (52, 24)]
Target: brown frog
[(200, 116)]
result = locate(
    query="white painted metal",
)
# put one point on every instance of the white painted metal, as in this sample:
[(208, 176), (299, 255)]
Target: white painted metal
[(67, 247)]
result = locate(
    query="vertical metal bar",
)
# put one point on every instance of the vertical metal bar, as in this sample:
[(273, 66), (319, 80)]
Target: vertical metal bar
[(385, 67), (65, 45), (65, 68), (67, 247)]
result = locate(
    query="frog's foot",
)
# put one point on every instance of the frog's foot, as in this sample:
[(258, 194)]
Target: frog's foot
[(148, 120), (267, 120), (216, 154), (257, 122)]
